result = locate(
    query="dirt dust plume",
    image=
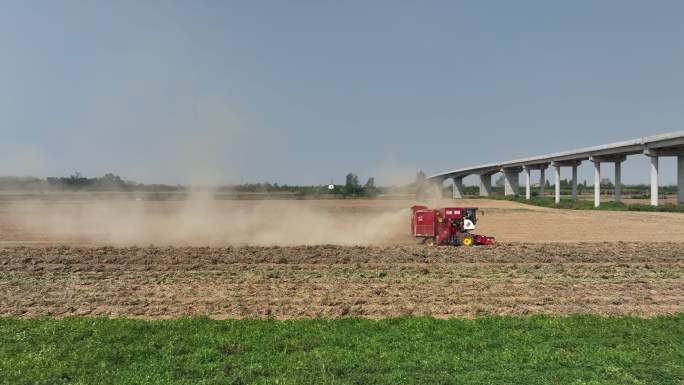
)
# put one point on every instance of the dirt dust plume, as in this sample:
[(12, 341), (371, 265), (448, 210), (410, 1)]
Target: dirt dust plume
[(204, 221)]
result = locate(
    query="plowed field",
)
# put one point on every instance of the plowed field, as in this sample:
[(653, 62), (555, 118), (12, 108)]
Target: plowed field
[(331, 281)]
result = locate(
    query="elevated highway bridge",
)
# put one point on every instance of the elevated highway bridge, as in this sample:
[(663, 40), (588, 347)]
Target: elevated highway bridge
[(654, 147)]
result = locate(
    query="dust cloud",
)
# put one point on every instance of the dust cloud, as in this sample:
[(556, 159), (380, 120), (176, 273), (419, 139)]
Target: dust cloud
[(204, 221)]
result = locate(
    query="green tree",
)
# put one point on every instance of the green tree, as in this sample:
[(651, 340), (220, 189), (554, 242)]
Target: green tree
[(352, 185), (606, 183), (369, 188), (110, 182)]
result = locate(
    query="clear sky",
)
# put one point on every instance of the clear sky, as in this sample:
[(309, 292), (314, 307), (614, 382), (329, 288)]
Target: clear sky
[(302, 92)]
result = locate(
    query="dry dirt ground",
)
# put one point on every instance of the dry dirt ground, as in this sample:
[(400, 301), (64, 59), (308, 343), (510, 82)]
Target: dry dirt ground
[(292, 223), (228, 259), (332, 281)]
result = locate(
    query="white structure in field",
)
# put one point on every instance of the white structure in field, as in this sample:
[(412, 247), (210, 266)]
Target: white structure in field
[(671, 144)]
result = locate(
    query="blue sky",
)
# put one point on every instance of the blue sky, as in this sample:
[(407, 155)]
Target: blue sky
[(306, 91)]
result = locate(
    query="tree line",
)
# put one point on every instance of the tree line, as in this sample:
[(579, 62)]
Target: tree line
[(352, 187), (111, 182)]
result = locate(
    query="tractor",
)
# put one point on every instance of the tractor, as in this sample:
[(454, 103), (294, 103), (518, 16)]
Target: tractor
[(447, 226)]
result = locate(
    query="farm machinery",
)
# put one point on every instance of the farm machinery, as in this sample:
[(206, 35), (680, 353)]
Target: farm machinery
[(447, 226)]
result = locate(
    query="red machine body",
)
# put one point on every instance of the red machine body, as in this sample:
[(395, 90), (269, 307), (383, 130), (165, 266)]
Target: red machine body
[(447, 226)]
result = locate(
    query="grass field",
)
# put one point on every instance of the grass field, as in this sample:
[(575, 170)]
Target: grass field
[(496, 350)]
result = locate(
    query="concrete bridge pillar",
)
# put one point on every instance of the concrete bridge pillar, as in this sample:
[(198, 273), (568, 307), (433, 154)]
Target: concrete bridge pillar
[(680, 179), (618, 181), (511, 180), (597, 182), (558, 165), (459, 190), (558, 190), (655, 155), (528, 189), (485, 185), (654, 180), (617, 159), (574, 181), (528, 178)]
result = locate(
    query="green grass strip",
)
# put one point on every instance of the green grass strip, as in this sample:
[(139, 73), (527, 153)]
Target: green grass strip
[(490, 350)]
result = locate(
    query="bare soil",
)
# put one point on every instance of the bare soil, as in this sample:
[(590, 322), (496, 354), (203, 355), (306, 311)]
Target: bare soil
[(239, 259), (291, 223), (617, 278)]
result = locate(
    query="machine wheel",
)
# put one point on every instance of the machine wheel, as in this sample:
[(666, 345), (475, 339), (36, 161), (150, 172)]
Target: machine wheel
[(468, 240)]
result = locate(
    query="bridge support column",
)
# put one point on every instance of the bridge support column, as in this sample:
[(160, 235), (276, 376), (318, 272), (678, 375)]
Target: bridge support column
[(574, 182), (485, 185), (654, 180), (511, 180), (618, 181), (597, 183), (459, 190), (558, 191), (655, 155), (680, 179), (528, 178), (528, 189), (617, 159)]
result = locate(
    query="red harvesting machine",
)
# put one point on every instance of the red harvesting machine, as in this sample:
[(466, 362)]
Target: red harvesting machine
[(447, 226)]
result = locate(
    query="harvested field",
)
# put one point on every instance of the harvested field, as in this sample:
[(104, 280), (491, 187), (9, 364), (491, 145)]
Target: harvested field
[(238, 259), (331, 281)]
